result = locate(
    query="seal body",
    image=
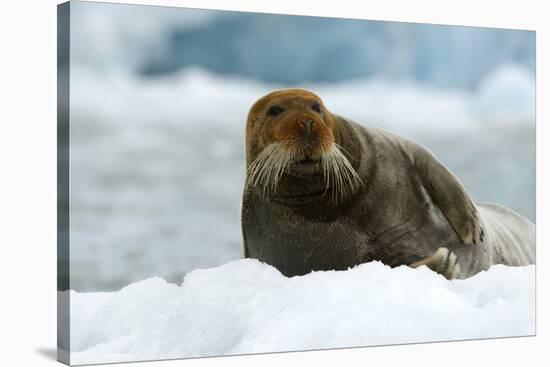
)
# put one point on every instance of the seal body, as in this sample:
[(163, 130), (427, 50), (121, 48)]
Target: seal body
[(406, 208)]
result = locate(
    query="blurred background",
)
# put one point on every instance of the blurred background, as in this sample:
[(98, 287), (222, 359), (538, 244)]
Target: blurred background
[(159, 98)]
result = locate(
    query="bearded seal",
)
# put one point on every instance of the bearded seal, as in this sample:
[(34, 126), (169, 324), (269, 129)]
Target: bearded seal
[(325, 193)]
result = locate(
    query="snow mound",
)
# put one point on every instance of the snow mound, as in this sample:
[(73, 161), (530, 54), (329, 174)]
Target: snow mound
[(246, 306)]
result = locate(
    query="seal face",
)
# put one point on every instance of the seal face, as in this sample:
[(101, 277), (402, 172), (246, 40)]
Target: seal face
[(324, 193), (292, 137)]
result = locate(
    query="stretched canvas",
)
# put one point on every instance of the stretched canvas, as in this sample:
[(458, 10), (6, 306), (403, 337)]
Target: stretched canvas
[(240, 183)]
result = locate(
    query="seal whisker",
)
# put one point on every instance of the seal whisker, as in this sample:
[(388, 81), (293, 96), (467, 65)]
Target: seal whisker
[(342, 149), (257, 167), (269, 166), (279, 167), (267, 169), (338, 173), (350, 172)]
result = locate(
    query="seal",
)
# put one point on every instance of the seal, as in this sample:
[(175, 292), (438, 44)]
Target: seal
[(325, 193)]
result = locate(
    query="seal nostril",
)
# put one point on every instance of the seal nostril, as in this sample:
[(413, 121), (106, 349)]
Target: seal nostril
[(307, 124)]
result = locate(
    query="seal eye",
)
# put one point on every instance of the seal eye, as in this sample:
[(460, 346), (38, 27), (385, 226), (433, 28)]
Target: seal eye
[(275, 110), (316, 106)]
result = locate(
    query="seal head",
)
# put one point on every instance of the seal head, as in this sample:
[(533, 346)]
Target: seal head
[(291, 134)]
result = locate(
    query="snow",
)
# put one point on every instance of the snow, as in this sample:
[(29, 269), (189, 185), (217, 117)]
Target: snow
[(245, 306)]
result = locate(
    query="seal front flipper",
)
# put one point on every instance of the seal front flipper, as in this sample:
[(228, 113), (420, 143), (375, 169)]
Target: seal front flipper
[(447, 193), (442, 261)]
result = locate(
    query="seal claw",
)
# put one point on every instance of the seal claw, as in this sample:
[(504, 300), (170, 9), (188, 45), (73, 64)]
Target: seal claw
[(442, 261)]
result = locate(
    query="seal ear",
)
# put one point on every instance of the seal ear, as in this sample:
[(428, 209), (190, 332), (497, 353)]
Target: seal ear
[(447, 193)]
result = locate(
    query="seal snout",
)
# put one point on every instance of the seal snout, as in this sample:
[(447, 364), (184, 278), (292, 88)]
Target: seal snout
[(307, 125), (309, 138)]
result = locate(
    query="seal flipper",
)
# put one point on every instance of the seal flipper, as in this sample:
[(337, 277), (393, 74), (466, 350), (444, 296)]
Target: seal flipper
[(447, 193), (442, 261)]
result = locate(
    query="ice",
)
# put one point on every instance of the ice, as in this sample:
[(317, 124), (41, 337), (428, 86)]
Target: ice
[(507, 95), (245, 306), (161, 40)]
